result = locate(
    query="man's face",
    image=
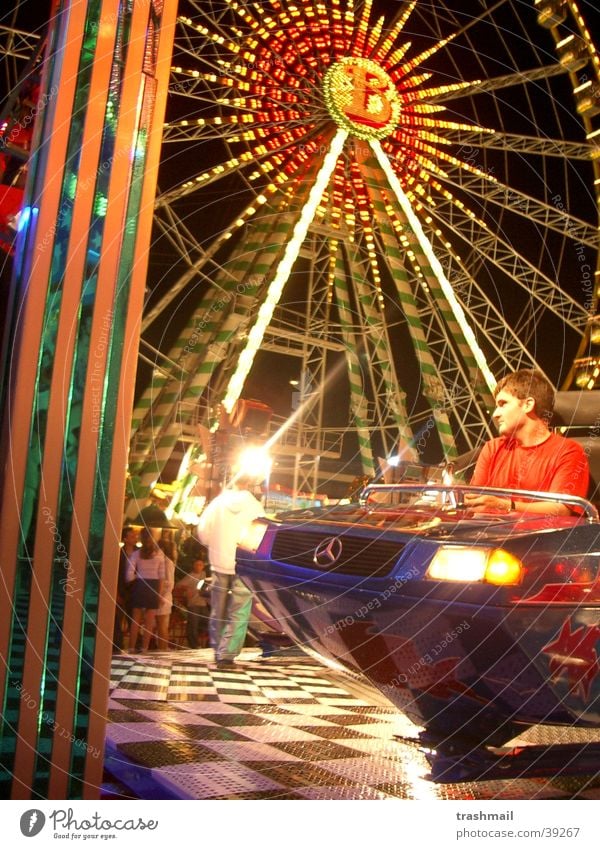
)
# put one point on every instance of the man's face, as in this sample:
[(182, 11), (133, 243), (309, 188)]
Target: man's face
[(510, 413)]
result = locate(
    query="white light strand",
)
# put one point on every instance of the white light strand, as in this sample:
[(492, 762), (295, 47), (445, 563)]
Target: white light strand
[(435, 264), (265, 313)]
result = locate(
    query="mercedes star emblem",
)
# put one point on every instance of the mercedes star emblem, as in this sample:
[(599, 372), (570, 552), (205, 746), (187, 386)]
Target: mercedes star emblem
[(327, 552)]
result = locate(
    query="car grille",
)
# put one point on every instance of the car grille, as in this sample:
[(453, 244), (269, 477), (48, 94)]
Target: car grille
[(362, 556)]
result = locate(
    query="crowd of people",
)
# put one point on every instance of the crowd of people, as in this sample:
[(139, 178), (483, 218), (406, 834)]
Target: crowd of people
[(160, 578)]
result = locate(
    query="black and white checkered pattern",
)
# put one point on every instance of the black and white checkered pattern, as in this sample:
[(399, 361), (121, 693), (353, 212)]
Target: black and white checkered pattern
[(282, 728)]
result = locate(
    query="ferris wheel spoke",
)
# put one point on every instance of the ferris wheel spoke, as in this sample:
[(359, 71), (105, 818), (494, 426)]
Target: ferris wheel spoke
[(206, 341), (192, 131), (463, 399), (232, 301), (428, 261), (453, 351), (509, 347), (520, 78), (283, 270), (473, 20), (231, 297), (546, 215), (180, 237), (462, 394), (154, 410), (519, 144), (494, 249), (207, 255), (205, 178), (192, 253), (433, 390), (502, 254)]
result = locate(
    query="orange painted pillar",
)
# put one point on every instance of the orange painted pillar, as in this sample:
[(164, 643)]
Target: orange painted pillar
[(80, 277)]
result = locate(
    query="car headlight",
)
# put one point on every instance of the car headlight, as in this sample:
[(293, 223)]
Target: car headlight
[(253, 535), (469, 564)]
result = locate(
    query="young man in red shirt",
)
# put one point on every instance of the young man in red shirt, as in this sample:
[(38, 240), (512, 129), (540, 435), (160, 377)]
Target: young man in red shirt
[(527, 454)]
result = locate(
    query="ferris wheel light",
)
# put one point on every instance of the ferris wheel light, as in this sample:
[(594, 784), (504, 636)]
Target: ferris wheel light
[(283, 271), (594, 135), (582, 379)]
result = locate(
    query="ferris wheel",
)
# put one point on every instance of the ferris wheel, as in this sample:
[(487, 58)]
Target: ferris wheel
[(402, 198)]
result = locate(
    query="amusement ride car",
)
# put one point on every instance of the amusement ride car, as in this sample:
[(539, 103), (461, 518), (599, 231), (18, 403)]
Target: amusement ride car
[(475, 626)]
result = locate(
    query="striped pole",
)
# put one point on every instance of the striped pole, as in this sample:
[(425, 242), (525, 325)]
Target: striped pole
[(358, 402), (377, 334), (432, 390), (451, 310), (80, 270)]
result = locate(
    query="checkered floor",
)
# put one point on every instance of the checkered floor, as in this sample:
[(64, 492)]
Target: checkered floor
[(276, 728)]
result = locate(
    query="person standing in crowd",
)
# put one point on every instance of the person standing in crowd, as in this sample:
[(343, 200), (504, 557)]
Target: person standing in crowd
[(190, 549), (129, 540), (167, 544), (163, 614), (194, 591), (527, 454), (147, 574), (221, 526)]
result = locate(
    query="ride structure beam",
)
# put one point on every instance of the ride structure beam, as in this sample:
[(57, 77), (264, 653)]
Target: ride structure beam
[(508, 346), (284, 267), (585, 80), (487, 188), (231, 297), (516, 143), (200, 348), (430, 265), (504, 81), (500, 252), (17, 43), (80, 277), (358, 401), (389, 397), (436, 393), (304, 427)]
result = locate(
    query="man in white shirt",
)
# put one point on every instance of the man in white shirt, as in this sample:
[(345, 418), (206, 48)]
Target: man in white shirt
[(221, 526)]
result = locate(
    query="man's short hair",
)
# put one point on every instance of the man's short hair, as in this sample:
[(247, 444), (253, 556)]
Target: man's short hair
[(530, 383), (243, 481)]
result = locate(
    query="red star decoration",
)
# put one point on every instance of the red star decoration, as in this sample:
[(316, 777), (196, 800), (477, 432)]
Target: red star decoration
[(574, 653)]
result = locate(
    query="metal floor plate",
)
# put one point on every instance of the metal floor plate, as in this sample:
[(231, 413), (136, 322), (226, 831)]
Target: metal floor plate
[(283, 728)]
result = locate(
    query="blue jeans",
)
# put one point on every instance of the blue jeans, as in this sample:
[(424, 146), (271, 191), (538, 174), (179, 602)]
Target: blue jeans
[(230, 607)]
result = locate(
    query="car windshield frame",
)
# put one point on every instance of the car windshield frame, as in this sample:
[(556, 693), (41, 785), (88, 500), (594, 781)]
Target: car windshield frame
[(447, 498)]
